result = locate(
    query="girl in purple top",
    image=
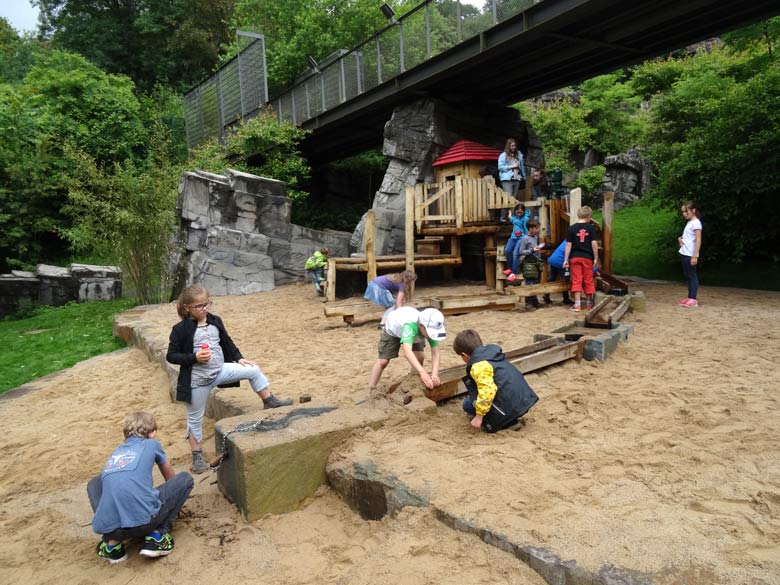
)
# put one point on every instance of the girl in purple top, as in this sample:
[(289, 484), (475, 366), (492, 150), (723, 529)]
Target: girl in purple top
[(390, 290)]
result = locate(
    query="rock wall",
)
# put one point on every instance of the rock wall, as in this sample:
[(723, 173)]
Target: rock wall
[(56, 286), (416, 134), (628, 175), (236, 236)]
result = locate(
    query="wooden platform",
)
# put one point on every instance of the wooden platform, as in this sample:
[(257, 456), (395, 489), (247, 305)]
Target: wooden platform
[(447, 304)]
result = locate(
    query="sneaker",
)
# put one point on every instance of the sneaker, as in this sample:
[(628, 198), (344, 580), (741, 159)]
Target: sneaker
[(273, 402), (157, 545), (547, 300), (511, 277), (691, 303), (576, 308), (508, 271), (683, 301), (589, 306), (199, 464), (113, 554)]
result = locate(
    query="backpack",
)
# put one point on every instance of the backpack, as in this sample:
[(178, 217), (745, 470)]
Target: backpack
[(531, 268)]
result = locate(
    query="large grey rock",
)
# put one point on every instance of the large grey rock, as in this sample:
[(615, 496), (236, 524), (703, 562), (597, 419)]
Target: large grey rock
[(280, 460), (236, 237), (57, 285), (628, 175)]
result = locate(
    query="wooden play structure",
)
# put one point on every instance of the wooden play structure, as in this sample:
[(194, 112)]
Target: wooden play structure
[(439, 215)]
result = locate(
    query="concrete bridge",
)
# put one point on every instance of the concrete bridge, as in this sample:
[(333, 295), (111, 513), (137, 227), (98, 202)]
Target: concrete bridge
[(529, 48)]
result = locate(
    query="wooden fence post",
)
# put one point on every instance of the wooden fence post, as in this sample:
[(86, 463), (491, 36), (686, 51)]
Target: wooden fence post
[(370, 234), (330, 293), (409, 235), (607, 221), (575, 202)]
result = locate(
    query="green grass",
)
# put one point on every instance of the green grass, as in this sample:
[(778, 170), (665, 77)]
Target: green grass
[(56, 338), (645, 244)]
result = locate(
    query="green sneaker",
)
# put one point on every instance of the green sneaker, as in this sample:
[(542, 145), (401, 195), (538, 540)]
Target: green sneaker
[(113, 554), (157, 545)]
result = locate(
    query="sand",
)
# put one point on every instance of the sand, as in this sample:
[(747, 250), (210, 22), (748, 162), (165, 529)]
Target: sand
[(665, 459)]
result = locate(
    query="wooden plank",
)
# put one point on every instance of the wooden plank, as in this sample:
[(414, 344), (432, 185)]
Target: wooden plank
[(619, 311), (409, 230), (544, 288), (330, 292), (357, 308), (459, 202), (490, 261), (597, 315), (607, 222), (529, 359), (575, 202), (370, 233), (444, 230)]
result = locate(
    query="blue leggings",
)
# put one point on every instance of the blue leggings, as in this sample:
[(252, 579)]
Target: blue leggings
[(689, 271)]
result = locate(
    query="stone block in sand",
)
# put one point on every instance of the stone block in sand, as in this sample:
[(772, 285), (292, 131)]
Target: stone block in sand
[(273, 467)]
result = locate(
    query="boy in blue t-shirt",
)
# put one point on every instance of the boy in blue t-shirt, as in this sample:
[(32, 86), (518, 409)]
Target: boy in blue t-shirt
[(124, 499)]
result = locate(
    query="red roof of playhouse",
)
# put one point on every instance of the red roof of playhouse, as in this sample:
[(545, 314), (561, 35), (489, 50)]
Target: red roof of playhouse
[(467, 150)]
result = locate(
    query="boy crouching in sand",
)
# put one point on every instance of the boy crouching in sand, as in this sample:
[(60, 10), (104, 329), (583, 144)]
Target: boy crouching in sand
[(498, 394), (124, 499)]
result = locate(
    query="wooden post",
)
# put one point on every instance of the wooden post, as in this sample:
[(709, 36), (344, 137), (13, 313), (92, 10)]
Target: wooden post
[(490, 261), (409, 235), (370, 235), (330, 293), (458, 202), (608, 217), (575, 202)]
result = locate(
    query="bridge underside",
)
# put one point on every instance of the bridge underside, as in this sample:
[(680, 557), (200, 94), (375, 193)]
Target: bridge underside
[(551, 45)]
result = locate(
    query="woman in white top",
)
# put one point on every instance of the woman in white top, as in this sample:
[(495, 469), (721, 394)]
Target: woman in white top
[(690, 245)]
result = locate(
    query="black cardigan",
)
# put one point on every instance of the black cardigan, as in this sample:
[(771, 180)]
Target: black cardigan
[(180, 352)]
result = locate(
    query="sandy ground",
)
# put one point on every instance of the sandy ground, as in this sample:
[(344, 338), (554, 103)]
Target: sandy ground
[(665, 459)]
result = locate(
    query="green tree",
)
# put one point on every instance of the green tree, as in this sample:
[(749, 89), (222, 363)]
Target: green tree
[(715, 139), (176, 42), (63, 100), (290, 30), (261, 146), (126, 212)]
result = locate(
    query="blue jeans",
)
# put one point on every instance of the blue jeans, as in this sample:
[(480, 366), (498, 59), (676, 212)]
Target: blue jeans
[(230, 372), (512, 259), (317, 276), (173, 494), (468, 405), (689, 271)]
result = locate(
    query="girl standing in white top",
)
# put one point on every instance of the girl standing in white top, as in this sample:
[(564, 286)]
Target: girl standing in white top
[(690, 244)]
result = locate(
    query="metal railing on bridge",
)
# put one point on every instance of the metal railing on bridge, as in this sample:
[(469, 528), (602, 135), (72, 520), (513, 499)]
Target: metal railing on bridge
[(235, 91), (427, 30)]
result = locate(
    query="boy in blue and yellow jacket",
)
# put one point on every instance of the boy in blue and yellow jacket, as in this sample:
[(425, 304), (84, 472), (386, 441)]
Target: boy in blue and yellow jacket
[(498, 394)]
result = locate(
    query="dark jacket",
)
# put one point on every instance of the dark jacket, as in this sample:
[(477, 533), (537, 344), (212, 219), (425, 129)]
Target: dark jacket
[(514, 396), (180, 352)]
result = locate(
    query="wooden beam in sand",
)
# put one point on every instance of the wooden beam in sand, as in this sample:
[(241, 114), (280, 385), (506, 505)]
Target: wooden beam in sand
[(370, 234), (545, 288), (607, 222), (526, 359)]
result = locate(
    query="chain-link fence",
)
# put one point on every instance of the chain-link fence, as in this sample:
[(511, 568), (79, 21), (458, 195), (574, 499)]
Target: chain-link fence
[(236, 91), (427, 30)]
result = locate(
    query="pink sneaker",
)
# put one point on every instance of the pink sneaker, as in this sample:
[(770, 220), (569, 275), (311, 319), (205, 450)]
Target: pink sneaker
[(511, 278), (508, 271), (683, 301), (691, 303)]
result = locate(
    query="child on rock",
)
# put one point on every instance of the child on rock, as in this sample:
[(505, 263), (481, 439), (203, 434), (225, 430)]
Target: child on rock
[(208, 358)]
